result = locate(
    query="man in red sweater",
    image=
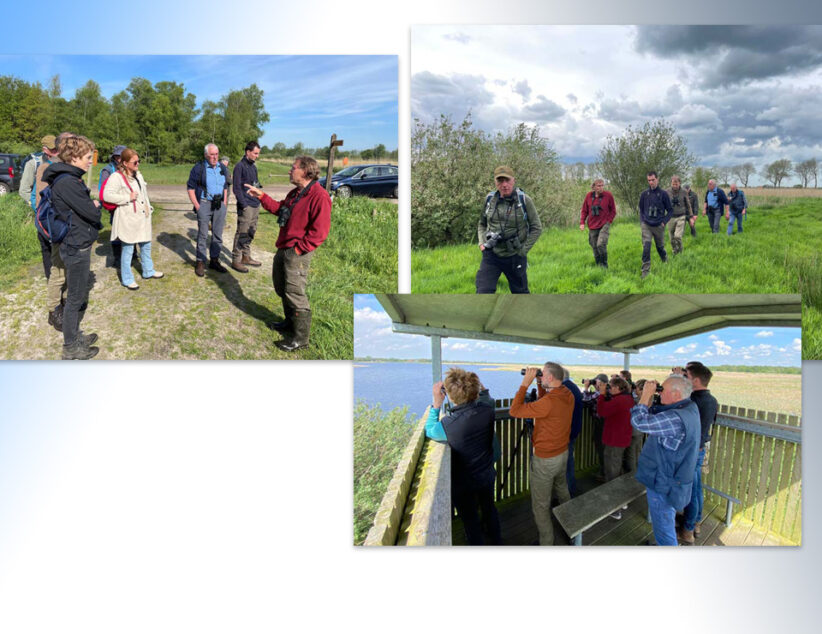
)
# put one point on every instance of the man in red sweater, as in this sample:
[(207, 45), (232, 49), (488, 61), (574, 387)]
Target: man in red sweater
[(552, 413), (599, 209), (304, 219)]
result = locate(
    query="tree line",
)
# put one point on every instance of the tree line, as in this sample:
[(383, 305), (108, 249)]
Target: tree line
[(160, 120)]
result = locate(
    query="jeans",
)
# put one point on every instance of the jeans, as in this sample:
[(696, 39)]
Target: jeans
[(145, 260), (217, 219), (693, 512), (78, 265), (662, 519), (738, 216), (570, 475), (515, 268), (468, 503), (547, 480)]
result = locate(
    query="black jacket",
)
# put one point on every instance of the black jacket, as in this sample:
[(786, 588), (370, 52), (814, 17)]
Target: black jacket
[(74, 205), (469, 429), (245, 172)]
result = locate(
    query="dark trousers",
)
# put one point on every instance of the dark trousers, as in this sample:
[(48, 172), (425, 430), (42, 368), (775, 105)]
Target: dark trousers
[(78, 265), (713, 218), (468, 505), (613, 461), (598, 239), (599, 425), (657, 234), (290, 277), (45, 250), (515, 268), (570, 475)]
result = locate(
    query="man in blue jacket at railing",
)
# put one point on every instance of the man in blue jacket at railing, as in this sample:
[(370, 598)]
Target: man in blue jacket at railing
[(668, 459)]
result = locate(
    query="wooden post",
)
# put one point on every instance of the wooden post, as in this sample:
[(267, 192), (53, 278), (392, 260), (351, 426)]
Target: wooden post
[(330, 171), (626, 363), (436, 358)]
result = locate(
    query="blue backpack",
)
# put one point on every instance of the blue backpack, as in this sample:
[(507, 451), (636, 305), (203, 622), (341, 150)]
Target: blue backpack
[(48, 224)]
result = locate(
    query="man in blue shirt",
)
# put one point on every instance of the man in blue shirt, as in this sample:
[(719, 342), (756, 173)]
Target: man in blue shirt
[(208, 191), (654, 212), (668, 460), (737, 207), (715, 201)]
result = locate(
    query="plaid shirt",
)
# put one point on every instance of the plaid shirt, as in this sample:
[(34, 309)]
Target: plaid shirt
[(665, 424)]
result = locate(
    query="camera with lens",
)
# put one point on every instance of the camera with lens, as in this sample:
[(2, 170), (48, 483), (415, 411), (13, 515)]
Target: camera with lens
[(492, 239), (596, 208), (217, 202), (283, 215), (539, 373)]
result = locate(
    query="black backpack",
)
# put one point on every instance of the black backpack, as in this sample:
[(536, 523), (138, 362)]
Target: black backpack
[(48, 224)]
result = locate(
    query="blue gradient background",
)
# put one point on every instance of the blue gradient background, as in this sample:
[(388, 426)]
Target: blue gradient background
[(216, 497)]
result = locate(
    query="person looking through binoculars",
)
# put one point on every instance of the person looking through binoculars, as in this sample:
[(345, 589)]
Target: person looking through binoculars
[(508, 227)]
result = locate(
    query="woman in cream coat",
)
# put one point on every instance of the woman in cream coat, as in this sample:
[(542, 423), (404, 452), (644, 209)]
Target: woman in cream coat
[(132, 219)]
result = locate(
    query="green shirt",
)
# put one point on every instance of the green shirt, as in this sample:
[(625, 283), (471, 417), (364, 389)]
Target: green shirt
[(504, 215)]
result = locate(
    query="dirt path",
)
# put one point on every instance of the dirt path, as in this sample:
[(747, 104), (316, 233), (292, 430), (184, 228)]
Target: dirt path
[(220, 316)]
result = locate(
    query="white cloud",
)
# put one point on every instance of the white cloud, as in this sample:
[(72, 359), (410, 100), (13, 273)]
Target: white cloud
[(685, 349), (722, 348), (764, 333), (797, 345), (713, 337), (369, 315)]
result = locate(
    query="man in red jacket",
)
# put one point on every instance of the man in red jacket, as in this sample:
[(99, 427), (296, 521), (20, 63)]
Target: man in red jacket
[(599, 209), (304, 219)]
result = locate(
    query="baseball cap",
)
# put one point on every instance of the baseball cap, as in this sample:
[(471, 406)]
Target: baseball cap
[(49, 141), (118, 150), (503, 172)]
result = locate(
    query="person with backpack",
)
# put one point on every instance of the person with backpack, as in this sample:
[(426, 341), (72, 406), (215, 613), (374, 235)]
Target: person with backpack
[(28, 189), (737, 207), (508, 227), (132, 219), (75, 209), (108, 169), (208, 191), (655, 210)]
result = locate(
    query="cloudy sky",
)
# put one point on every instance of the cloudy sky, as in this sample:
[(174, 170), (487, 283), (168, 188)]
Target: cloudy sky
[(736, 94), (730, 346), (308, 97)]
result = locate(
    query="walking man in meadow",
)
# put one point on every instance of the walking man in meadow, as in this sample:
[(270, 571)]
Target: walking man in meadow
[(599, 209), (682, 213), (654, 212), (508, 227), (208, 191), (715, 201), (693, 199), (737, 207)]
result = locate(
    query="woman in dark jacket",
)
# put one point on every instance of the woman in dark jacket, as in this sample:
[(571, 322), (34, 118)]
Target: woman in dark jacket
[(73, 205)]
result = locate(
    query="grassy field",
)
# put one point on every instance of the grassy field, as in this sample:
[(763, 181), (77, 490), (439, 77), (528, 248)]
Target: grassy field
[(221, 316), (777, 253)]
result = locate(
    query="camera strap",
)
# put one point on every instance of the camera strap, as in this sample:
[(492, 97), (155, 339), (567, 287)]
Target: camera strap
[(302, 193)]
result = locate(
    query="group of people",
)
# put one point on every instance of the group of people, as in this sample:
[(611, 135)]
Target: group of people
[(304, 217), (509, 224), (658, 432)]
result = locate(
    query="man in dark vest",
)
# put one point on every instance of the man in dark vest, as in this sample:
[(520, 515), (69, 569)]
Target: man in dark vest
[(668, 460)]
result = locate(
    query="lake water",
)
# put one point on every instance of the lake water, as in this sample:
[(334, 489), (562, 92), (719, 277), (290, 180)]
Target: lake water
[(397, 384)]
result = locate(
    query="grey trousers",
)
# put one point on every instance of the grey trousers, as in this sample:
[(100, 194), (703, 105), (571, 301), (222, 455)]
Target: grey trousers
[(290, 276), (246, 229), (613, 461), (598, 239), (217, 220), (547, 480), (676, 227)]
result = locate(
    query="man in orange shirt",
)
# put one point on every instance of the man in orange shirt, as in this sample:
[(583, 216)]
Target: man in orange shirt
[(552, 413)]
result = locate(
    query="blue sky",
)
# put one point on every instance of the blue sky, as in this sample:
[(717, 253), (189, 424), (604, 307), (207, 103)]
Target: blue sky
[(728, 346), (308, 97)]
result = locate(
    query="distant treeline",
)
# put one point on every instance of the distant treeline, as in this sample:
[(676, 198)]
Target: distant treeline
[(161, 121)]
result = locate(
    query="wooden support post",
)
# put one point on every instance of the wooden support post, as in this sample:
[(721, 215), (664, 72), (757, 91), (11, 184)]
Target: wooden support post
[(626, 363), (330, 171), (436, 357)]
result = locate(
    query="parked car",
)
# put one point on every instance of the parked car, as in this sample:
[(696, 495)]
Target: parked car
[(365, 180), (10, 173)]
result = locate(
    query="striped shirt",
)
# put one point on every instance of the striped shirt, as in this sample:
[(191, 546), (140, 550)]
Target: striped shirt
[(666, 424)]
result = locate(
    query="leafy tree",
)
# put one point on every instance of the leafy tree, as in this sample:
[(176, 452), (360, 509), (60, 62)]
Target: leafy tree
[(243, 114), (625, 160), (700, 178), (367, 155), (777, 171), (379, 151), (743, 172)]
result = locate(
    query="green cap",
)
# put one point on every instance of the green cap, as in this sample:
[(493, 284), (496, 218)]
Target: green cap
[(503, 172)]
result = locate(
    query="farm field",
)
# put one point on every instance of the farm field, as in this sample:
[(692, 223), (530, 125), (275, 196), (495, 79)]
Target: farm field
[(778, 252)]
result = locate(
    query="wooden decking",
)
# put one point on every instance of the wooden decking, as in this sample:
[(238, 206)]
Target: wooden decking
[(518, 528)]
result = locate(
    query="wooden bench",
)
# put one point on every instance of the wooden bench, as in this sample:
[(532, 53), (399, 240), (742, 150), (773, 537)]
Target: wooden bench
[(729, 509), (582, 512)]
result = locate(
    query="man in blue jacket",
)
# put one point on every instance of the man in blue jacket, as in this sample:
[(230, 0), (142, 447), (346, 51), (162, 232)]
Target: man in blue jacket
[(248, 208), (654, 211), (668, 460), (715, 201), (737, 207)]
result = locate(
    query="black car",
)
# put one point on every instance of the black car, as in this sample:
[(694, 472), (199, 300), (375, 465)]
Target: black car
[(367, 180), (10, 173)]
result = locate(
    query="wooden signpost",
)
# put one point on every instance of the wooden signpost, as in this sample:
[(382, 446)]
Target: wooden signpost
[(331, 149)]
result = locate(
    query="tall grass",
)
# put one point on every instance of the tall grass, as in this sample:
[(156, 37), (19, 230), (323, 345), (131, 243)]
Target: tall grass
[(379, 440), (18, 237), (777, 253)]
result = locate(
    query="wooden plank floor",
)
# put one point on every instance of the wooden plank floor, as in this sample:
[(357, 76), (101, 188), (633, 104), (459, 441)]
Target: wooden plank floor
[(518, 528)]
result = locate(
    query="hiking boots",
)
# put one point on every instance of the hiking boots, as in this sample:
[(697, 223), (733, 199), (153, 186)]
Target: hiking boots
[(685, 536), (79, 350), (199, 270), (88, 339), (237, 265), (249, 261), (302, 327), (214, 264), (56, 318), (286, 324)]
